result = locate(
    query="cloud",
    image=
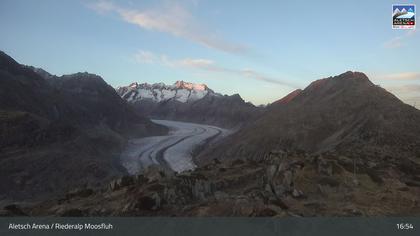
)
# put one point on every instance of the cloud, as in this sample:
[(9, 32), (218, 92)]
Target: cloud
[(196, 63), (412, 88), (398, 41), (258, 76), (145, 57), (413, 101), (173, 19), (394, 42), (206, 65), (407, 93), (404, 89), (401, 76)]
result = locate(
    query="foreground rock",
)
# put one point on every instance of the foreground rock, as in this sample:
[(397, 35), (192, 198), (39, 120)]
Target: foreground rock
[(281, 184)]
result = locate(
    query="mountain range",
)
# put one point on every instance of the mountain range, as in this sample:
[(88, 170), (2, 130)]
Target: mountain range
[(190, 102), (342, 146), (181, 91)]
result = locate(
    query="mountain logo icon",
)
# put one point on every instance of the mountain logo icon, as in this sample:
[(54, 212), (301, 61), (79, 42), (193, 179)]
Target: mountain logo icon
[(403, 16)]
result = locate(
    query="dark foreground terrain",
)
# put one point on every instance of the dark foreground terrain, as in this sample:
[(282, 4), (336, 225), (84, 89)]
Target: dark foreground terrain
[(281, 184)]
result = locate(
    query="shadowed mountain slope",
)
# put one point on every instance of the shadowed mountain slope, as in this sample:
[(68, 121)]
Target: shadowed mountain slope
[(346, 114), (61, 132)]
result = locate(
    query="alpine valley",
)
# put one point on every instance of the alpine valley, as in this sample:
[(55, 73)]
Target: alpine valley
[(72, 145)]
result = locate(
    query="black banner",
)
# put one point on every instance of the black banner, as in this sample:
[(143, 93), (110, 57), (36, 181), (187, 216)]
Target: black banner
[(209, 226)]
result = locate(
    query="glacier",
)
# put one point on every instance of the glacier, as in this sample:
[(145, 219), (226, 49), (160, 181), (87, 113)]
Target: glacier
[(173, 150)]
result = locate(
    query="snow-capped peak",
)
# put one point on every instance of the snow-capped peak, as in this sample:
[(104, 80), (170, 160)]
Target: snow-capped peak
[(396, 11), (134, 85), (180, 91), (190, 86)]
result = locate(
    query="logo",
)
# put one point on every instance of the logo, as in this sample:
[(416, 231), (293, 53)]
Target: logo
[(404, 16)]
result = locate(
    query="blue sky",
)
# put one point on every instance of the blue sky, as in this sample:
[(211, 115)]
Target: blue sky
[(259, 49)]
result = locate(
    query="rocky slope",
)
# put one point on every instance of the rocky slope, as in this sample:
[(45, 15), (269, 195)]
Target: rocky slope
[(57, 133), (190, 102), (289, 97), (279, 185), (345, 114)]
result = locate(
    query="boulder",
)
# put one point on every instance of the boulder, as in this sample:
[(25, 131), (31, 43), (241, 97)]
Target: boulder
[(324, 167), (12, 210)]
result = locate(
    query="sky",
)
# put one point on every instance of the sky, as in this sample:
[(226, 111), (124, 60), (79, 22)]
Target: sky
[(260, 49)]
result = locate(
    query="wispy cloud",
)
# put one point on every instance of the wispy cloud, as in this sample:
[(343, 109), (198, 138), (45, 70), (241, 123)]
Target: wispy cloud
[(173, 19), (405, 89), (196, 63), (145, 57), (400, 76), (259, 76), (415, 101), (207, 65), (409, 93), (398, 41)]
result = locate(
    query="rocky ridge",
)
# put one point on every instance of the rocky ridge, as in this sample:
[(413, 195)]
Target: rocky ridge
[(279, 185)]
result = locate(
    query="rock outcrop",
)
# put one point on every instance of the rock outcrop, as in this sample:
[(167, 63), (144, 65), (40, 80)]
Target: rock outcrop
[(281, 184)]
